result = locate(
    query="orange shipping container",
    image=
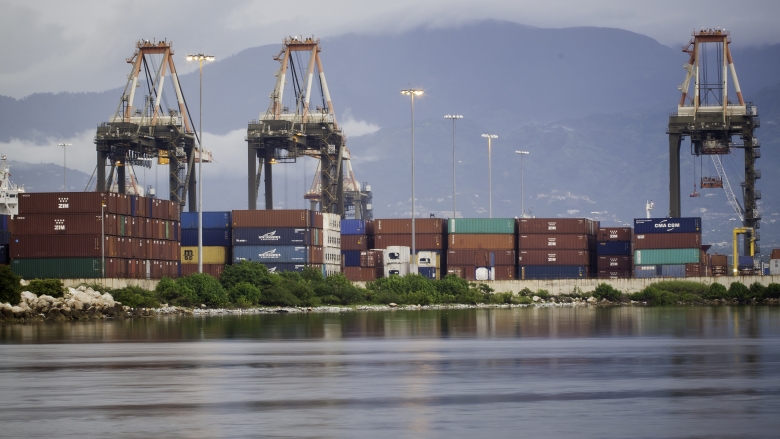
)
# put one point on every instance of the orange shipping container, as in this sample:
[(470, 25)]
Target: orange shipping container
[(560, 241), (553, 257), (482, 241), (423, 241), (404, 226)]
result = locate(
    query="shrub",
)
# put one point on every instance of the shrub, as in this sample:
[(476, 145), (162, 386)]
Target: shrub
[(96, 287), (655, 296), (278, 296), (543, 294), (606, 291), (339, 286), (254, 273), (206, 289), (757, 291), (772, 291), (10, 289), (451, 288), (244, 295), (716, 291), (682, 286), (301, 291), (51, 287), (738, 290), (135, 297)]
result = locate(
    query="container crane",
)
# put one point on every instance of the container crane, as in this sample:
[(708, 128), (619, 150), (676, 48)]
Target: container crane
[(357, 197)]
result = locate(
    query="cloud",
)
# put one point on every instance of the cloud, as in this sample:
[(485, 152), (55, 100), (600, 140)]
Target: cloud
[(355, 128)]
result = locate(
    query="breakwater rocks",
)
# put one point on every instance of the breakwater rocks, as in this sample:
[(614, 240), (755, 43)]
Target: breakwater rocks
[(80, 303)]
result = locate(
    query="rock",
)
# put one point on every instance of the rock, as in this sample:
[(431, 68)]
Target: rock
[(29, 298), (592, 299), (536, 298), (202, 306), (392, 305), (55, 316), (7, 311)]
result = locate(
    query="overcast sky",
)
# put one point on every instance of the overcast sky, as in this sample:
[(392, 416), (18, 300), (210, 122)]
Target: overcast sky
[(76, 45)]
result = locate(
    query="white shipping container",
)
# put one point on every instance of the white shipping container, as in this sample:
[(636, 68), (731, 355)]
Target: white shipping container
[(331, 255), (330, 269), (397, 269), (428, 259), (485, 273), (331, 221), (774, 267), (397, 254), (331, 238)]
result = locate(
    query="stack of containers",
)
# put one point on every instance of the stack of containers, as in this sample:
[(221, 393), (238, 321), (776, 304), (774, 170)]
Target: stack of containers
[(283, 240), (429, 234), (355, 243), (481, 248), (774, 262), (719, 265), (5, 239), (614, 255), (217, 240), (663, 247), (555, 248), (58, 235), (331, 242), (396, 260)]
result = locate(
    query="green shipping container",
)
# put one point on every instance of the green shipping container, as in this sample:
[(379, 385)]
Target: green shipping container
[(671, 256), (122, 225), (57, 268), (481, 225)]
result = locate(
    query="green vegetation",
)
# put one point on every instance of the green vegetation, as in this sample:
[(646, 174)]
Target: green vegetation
[(51, 287), (10, 289)]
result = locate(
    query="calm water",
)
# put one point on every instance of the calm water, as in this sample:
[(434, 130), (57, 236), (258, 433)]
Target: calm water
[(680, 372)]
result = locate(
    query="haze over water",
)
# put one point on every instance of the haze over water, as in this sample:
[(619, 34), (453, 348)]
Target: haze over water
[(525, 372)]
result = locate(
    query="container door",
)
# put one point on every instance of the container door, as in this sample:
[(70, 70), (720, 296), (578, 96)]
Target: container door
[(481, 258)]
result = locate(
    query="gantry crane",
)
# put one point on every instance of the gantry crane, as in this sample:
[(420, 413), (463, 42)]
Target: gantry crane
[(282, 136), (136, 135), (711, 119), (357, 198)]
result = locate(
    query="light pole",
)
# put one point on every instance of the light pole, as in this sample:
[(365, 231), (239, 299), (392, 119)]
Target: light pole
[(522, 191), (103, 239), (453, 117), (490, 171), (200, 58), (64, 149), (413, 92)]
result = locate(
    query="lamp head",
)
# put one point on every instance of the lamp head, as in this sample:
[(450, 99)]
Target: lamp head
[(490, 136), (522, 152), (453, 116), (412, 92)]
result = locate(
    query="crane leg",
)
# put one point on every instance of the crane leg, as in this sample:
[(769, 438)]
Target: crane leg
[(101, 172), (674, 175), (269, 182)]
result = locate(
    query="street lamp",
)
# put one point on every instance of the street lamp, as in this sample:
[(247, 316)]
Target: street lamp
[(64, 145), (103, 238), (413, 92), (453, 117), (522, 192), (490, 171), (200, 58)]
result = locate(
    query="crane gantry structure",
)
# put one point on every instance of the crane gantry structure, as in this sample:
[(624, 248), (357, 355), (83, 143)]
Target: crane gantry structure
[(357, 198), (282, 136), (710, 118), (136, 135)]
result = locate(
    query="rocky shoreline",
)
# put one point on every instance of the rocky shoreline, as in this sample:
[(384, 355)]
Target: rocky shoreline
[(83, 303)]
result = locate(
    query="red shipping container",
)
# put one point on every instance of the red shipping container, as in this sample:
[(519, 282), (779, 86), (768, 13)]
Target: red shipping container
[(666, 240), (504, 272), (371, 258), (62, 246), (363, 274), (423, 241), (481, 241), (355, 242), (775, 254), (556, 225), (614, 262), (68, 202), (63, 224), (404, 226), (604, 234), (553, 257), (560, 241), (695, 270), (614, 274), (214, 270), (300, 218), (481, 258)]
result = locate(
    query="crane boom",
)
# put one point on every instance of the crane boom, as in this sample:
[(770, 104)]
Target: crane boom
[(727, 187)]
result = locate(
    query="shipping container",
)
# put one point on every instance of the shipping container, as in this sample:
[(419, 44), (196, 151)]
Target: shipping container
[(614, 262), (775, 254), (560, 241), (371, 258), (211, 237), (211, 220), (396, 269), (330, 269), (276, 267), (455, 271), (331, 238), (667, 225), (582, 226), (276, 236), (613, 248), (64, 224), (60, 268), (4, 219), (481, 241), (278, 254), (695, 270), (351, 258), (363, 274), (353, 227), (614, 234), (481, 257), (214, 270), (423, 241), (404, 226), (64, 246), (428, 272), (552, 271), (70, 202), (481, 225), (667, 256), (774, 267), (332, 256), (298, 218), (504, 272), (719, 260), (430, 259), (672, 270), (355, 242), (666, 240), (211, 255), (553, 257), (396, 254), (614, 274), (4, 252), (644, 271), (331, 221), (745, 261)]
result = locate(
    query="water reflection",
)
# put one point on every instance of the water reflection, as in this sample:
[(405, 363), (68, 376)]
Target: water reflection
[(576, 322)]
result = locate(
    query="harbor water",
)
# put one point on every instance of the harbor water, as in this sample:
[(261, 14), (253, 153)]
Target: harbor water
[(607, 372)]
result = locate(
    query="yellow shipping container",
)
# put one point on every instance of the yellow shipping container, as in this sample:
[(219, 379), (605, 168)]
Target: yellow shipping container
[(211, 255)]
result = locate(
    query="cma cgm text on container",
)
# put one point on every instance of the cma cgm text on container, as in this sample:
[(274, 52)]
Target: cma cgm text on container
[(667, 225)]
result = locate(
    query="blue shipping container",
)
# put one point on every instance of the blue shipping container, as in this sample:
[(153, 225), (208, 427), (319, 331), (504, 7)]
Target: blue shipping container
[(745, 261), (552, 271), (275, 268), (428, 272), (277, 254), (613, 248), (353, 227), (5, 260), (766, 271), (211, 220), (351, 258), (276, 236), (644, 271), (132, 205), (211, 237), (4, 222), (5, 238), (667, 225), (673, 270)]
